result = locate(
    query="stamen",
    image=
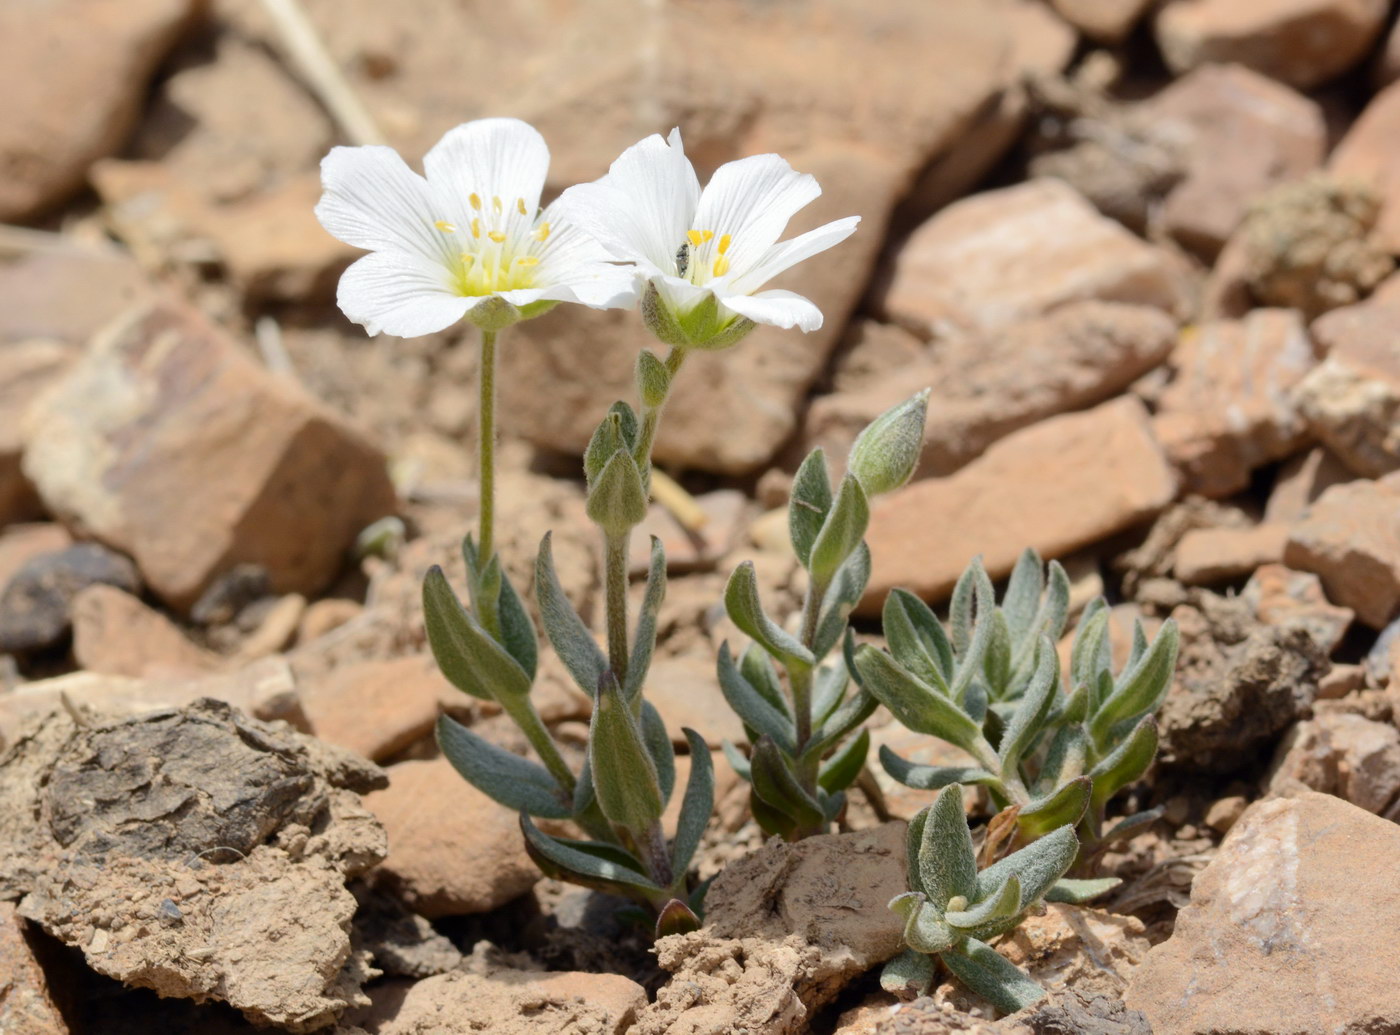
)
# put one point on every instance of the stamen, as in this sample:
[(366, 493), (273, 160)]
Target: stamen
[(721, 266), (496, 203), (445, 226), (528, 260), (724, 243), (476, 226), (520, 206), (542, 234), (467, 259), (695, 237), (475, 199), (497, 236), (705, 235)]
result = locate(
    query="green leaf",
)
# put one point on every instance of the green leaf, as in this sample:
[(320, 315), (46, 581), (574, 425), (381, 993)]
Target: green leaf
[(587, 863), (757, 667), (697, 805), (840, 599), (584, 798), (676, 918), (1028, 721), (742, 603), (808, 504), (562, 625), (1063, 807), (960, 607), (1023, 592), (916, 704), (517, 631), (913, 841), (617, 499), (736, 759), (993, 977), (1132, 824), (1125, 763), (660, 748), (847, 717), (1039, 865), (1090, 654), (841, 770), (470, 659), (515, 782), (644, 644), (999, 905), (751, 706), (917, 640), (1077, 892), (774, 782), (975, 649), (947, 860), (924, 929), (625, 780), (842, 531), (1064, 761), (996, 662), (932, 777), (1141, 688), (828, 688), (909, 975), (771, 820), (887, 450)]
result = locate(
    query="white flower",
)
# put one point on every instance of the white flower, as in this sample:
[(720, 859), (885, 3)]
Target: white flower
[(706, 254), (469, 239)]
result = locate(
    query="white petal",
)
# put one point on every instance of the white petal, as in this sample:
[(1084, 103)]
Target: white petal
[(779, 308), (679, 294), (373, 200), (491, 158), (576, 268), (789, 253), (752, 200), (642, 208), (399, 294)]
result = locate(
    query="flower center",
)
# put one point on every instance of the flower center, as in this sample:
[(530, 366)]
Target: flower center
[(701, 257), (497, 250)]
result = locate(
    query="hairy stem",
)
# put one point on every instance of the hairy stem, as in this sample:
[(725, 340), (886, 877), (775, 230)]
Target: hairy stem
[(486, 444), (523, 713), (615, 550), (651, 421)]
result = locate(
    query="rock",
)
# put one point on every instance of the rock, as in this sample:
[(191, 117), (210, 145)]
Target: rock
[(1340, 681), (27, 368), (1342, 754), (21, 543), (685, 690), (786, 928), (1238, 685), (871, 351), (1301, 480), (1352, 400), (1273, 925), (1227, 409), (1310, 245), (995, 258), (726, 780), (1351, 538), (1244, 134), (1056, 486), (1300, 42), (64, 290), (123, 446), (453, 851), (1081, 353), (1209, 555), (276, 628), (323, 617), (375, 708), (1224, 813), (115, 634), (1105, 21), (403, 944), (197, 853), (1363, 156), (1073, 1013), (1091, 951), (36, 604), (905, 802), (77, 74), (1281, 597), (1154, 557), (725, 512), (27, 1005)]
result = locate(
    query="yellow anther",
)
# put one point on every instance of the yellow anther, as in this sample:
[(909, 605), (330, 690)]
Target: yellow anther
[(445, 226), (721, 266), (696, 238), (497, 236), (542, 234), (705, 235), (528, 260), (476, 226), (475, 199), (724, 243), (520, 206), (496, 203), (467, 258)]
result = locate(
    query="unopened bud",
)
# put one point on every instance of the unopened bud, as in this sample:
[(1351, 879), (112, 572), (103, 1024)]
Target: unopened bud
[(886, 453)]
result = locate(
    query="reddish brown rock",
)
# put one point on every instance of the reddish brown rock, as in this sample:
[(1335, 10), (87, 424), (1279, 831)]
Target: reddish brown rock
[(1055, 486), (376, 708), (685, 690), (1272, 928), (452, 850), (1244, 134), (1347, 755), (1107, 21), (125, 445), (1300, 481), (1351, 538), (1227, 409), (26, 369), (1366, 155), (116, 635), (1280, 596), (1207, 555), (993, 259), (20, 544), (1301, 42)]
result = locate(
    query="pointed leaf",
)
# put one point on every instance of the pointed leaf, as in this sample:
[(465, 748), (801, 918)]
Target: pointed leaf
[(751, 706), (993, 977), (1028, 721), (914, 703), (970, 661), (757, 667), (947, 860), (1125, 763), (909, 975), (932, 777), (567, 633), (697, 805), (917, 640), (808, 504), (1064, 761), (1077, 892), (569, 858), (625, 780), (1063, 807), (517, 631), (847, 717), (676, 918), (742, 603), (841, 597), (470, 659), (515, 782), (660, 748), (842, 531), (828, 688), (1141, 688), (736, 759), (841, 770), (996, 662), (774, 782), (771, 820), (924, 929), (1038, 865), (1090, 652), (644, 644), (1023, 591)]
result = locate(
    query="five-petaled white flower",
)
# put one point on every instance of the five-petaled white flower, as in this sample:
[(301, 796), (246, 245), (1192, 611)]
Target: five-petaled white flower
[(467, 240), (705, 255)]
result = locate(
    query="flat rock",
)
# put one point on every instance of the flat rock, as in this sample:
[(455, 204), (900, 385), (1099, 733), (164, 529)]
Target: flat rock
[(36, 604), (1001, 256), (685, 690), (27, 368), (1351, 539), (1227, 409), (1090, 951), (1055, 486), (1280, 596), (1206, 555), (115, 634), (1364, 155), (1300, 42), (1338, 753), (1301, 479), (122, 448), (375, 708), (1272, 928)]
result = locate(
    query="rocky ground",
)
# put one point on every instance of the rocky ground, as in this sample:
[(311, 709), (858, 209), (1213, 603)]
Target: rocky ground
[(1143, 253)]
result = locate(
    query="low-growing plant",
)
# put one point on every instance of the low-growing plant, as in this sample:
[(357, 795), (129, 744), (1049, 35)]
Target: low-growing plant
[(953, 909), (991, 684), (799, 767)]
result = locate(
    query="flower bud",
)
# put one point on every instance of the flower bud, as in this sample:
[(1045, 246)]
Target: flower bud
[(617, 499), (653, 379), (886, 453)]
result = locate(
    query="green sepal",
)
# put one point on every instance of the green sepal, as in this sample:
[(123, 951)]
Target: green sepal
[(505, 777), (676, 918), (697, 805), (704, 326), (1064, 807), (996, 979), (470, 659), (653, 379), (625, 779), (566, 631), (886, 452), (808, 504), (644, 643), (606, 441), (745, 610), (752, 706), (947, 861), (1077, 892), (841, 532), (842, 768), (617, 499), (916, 704), (774, 782)]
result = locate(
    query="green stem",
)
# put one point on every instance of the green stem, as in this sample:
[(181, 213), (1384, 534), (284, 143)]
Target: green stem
[(486, 443), (615, 577), (651, 421), (658, 860), (802, 681), (522, 711)]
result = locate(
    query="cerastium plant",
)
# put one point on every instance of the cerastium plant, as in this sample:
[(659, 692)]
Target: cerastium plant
[(799, 768), (991, 685)]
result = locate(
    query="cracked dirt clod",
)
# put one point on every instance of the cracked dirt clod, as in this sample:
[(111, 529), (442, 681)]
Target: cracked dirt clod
[(786, 928), (197, 853)]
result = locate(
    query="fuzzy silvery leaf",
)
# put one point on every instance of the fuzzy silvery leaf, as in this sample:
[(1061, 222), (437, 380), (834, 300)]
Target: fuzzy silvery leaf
[(1001, 904), (841, 597), (584, 798), (617, 499), (1038, 865), (1141, 689), (917, 640), (993, 977), (588, 863), (696, 806), (752, 707), (924, 929), (831, 804), (1125, 763), (517, 783), (1090, 654), (972, 654), (1064, 760), (470, 659), (887, 450), (775, 783), (1130, 825), (606, 441), (828, 689), (947, 862), (1062, 807), (737, 760), (644, 641), (1023, 592), (1077, 892), (1049, 620), (625, 779), (841, 532), (916, 704), (757, 667), (659, 746), (494, 595), (846, 718), (913, 841), (1139, 644), (770, 820), (932, 777), (1028, 720), (996, 662), (808, 504), (653, 379), (744, 609), (973, 599), (842, 768), (909, 975), (562, 625)]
